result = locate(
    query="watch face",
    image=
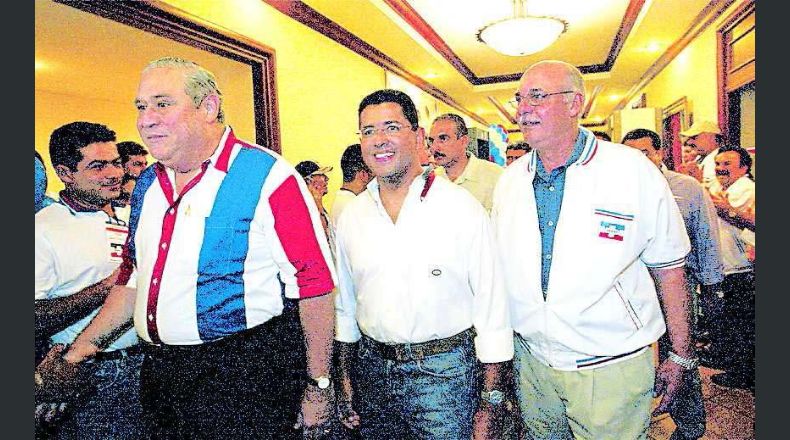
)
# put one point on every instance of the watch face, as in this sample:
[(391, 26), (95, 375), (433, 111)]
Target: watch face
[(494, 397), (323, 382)]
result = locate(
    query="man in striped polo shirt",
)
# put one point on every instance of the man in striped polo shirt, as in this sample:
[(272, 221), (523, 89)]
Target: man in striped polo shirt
[(222, 233)]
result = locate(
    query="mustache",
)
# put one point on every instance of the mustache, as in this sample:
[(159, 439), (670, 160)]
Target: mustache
[(438, 155), (722, 173)]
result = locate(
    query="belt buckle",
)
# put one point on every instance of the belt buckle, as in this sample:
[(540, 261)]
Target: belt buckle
[(417, 352)]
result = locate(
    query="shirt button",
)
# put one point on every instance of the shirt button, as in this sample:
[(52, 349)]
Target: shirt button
[(548, 256), (164, 245), (150, 317), (155, 281), (551, 188), (171, 211), (551, 223)]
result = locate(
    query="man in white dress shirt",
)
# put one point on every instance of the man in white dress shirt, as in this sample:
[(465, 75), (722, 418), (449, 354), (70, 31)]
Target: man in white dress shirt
[(356, 176), (421, 313)]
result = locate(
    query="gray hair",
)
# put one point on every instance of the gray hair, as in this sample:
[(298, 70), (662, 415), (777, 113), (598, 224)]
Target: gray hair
[(199, 82), (460, 124)]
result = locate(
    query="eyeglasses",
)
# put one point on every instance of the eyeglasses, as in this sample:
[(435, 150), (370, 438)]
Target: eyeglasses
[(389, 130), (536, 98)]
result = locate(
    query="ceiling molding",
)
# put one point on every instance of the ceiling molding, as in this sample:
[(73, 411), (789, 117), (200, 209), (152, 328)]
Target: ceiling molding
[(503, 111), (590, 101), (313, 19), (405, 11), (705, 18)]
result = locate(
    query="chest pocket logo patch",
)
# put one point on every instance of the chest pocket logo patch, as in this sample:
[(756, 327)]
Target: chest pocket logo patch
[(613, 224)]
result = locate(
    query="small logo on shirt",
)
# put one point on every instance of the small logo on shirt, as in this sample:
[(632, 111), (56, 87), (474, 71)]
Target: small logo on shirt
[(612, 231), (613, 227)]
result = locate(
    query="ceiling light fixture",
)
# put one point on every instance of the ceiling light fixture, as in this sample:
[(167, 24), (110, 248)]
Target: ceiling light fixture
[(522, 34)]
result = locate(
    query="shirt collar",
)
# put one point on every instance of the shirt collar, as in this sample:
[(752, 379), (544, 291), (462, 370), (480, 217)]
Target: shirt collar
[(416, 187), (584, 151), (470, 171)]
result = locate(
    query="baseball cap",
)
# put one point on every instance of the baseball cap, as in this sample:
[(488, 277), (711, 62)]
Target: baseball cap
[(701, 127), (309, 168)]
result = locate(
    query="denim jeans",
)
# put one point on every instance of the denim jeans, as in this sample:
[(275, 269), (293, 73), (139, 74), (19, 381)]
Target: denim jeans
[(431, 398), (113, 411)]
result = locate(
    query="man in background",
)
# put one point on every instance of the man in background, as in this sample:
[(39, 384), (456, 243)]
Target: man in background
[(514, 151), (447, 143), (356, 176), (703, 269), (78, 247)]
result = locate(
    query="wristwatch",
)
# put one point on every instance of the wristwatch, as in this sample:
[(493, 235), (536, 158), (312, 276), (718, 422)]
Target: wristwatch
[(493, 397), (688, 364), (322, 382)]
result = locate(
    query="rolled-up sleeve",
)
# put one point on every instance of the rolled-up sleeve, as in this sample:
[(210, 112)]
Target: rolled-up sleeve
[(491, 316)]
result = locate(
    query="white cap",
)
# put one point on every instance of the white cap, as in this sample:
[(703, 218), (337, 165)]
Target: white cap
[(701, 127)]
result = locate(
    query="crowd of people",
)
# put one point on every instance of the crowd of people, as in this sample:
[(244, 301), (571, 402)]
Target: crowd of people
[(212, 294)]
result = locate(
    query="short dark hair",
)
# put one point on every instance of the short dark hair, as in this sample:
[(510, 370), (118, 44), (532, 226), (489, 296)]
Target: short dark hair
[(603, 135), (745, 157), (640, 133), (66, 141), (351, 162), (519, 146), (130, 148), (460, 124), (394, 96)]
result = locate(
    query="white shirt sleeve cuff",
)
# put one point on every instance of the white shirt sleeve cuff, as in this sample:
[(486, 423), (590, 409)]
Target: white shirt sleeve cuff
[(347, 330), (494, 345)]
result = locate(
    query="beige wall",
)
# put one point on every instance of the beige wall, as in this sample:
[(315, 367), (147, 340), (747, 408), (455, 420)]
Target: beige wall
[(691, 74)]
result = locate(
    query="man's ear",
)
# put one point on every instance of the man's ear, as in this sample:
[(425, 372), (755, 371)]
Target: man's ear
[(577, 105), (64, 173), (211, 105)]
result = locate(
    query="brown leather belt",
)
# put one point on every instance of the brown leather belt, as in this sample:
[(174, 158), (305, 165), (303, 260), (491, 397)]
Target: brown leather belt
[(420, 350)]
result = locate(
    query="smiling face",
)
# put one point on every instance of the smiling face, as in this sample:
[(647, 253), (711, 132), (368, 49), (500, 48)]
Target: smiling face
[(97, 177), (728, 168), (170, 124), (556, 116), (446, 146), (390, 151)]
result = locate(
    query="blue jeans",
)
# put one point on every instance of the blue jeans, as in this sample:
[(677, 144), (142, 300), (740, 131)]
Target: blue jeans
[(113, 411), (431, 398)]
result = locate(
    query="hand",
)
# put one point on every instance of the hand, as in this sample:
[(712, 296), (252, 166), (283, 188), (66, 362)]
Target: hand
[(55, 379), (669, 380), (315, 417), (49, 413), (345, 412), (690, 169), (720, 201)]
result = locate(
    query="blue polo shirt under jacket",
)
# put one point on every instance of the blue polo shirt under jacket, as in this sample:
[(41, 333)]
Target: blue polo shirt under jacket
[(549, 188)]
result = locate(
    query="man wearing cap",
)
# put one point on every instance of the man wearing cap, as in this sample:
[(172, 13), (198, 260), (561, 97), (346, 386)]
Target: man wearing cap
[(447, 143), (356, 176), (421, 314), (222, 233), (593, 247), (705, 137), (317, 180)]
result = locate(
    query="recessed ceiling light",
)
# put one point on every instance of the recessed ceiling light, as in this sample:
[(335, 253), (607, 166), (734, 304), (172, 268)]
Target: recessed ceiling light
[(40, 65), (614, 98)]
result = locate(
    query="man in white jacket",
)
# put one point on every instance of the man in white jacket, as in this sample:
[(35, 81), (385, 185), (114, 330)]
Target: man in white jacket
[(593, 247)]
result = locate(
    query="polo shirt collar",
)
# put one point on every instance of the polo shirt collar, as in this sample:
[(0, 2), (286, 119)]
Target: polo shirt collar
[(584, 151)]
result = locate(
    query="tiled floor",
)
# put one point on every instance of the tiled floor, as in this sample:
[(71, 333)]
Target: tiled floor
[(729, 413)]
